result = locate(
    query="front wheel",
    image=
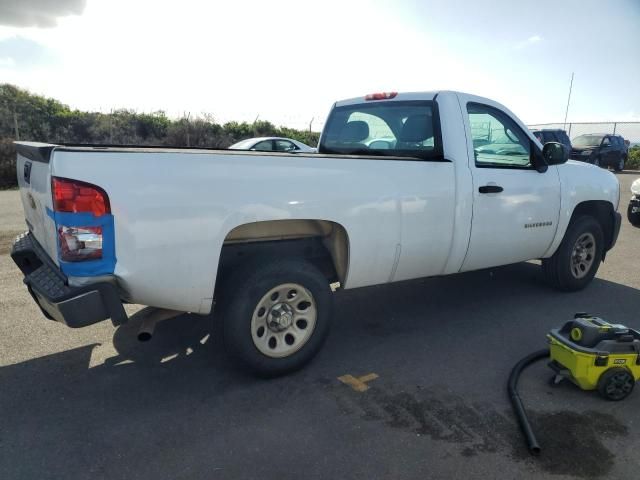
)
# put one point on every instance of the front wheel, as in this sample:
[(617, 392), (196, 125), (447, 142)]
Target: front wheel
[(275, 315), (578, 257), (620, 165)]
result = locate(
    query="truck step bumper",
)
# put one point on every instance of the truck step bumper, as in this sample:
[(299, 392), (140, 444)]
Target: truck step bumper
[(73, 306)]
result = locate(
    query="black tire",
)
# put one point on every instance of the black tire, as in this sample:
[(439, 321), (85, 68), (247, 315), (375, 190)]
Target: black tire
[(596, 162), (239, 298), (616, 384), (619, 166), (634, 218), (558, 268)]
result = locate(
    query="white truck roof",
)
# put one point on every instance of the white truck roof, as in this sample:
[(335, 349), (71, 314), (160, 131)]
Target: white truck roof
[(398, 96)]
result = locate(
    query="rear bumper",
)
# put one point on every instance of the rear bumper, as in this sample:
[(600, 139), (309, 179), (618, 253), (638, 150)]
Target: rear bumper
[(633, 211), (73, 306)]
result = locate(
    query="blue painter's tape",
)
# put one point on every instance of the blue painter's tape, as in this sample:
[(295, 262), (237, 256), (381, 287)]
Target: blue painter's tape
[(88, 268)]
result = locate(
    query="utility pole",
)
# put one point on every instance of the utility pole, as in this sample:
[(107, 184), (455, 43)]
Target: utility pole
[(311, 123), (568, 101), (187, 128), (15, 124), (111, 126)]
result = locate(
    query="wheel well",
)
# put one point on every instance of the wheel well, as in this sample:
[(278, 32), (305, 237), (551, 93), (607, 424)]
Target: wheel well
[(323, 242), (602, 211)]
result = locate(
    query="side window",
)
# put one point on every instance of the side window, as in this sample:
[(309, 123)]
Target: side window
[(265, 145), (498, 141), (606, 142), (284, 146)]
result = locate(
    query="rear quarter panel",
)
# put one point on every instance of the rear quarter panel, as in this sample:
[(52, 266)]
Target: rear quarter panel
[(173, 210)]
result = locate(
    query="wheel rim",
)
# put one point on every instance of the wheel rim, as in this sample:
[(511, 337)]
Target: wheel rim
[(596, 162), (583, 255), (284, 320), (619, 385)]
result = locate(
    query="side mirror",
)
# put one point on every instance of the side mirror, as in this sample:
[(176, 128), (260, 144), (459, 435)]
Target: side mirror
[(555, 153)]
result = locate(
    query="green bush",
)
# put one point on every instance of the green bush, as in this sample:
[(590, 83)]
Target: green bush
[(47, 120), (8, 176), (633, 161)]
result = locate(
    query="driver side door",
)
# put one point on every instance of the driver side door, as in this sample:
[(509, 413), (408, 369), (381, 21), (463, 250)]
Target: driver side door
[(515, 208)]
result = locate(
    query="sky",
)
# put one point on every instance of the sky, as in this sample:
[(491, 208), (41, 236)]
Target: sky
[(288, 61)]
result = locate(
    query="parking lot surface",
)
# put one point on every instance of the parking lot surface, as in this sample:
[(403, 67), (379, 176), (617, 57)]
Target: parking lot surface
[(95, 403)]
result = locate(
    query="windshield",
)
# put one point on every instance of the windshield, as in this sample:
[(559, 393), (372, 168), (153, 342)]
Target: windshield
[(407, 129), (587, 141)]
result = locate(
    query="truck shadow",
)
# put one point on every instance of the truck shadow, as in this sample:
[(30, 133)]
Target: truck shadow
[(181, 390)]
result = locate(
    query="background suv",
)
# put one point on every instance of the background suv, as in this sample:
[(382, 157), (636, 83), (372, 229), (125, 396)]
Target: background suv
[(600, 149)]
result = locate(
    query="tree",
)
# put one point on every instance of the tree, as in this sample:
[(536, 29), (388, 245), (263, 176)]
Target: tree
[(26, 116)]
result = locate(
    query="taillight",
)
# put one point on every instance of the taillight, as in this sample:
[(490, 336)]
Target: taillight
[(80, 243), (381, 96), (77, 197), (82, 215)]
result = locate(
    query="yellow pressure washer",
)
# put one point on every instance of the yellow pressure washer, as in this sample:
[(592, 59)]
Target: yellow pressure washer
[(591, 353)]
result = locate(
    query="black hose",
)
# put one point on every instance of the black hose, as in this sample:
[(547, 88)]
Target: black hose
[(516, 402)]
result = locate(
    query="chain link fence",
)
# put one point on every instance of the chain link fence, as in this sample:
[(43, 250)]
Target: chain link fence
[(628, 130)]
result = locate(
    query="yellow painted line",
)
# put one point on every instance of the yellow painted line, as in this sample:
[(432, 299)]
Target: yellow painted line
[(359, 384)]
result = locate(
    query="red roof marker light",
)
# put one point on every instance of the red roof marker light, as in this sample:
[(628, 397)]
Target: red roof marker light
[(381, 96)]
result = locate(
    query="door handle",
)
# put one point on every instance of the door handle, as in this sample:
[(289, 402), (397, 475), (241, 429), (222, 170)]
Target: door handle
[(490, 189)]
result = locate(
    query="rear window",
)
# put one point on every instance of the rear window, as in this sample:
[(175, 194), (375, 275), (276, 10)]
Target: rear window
[(394, 128), (549, 137)]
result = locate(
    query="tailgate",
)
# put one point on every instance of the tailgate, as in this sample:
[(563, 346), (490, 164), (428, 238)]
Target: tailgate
[(34, 180)]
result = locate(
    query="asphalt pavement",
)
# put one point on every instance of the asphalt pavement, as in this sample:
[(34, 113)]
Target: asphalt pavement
[(95, 403)]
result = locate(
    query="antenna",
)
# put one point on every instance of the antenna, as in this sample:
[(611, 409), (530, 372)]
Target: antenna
[(568, 100)]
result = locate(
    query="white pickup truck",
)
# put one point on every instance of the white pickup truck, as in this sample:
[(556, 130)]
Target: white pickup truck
[(403, 186)]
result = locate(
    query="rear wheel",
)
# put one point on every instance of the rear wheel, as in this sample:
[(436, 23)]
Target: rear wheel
[(578, 257), (616, 384), (275, 315), (620, 165)]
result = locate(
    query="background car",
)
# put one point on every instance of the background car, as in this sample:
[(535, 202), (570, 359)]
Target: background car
[(553, 135), (272, 144), (633, 211), (605, 150)]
